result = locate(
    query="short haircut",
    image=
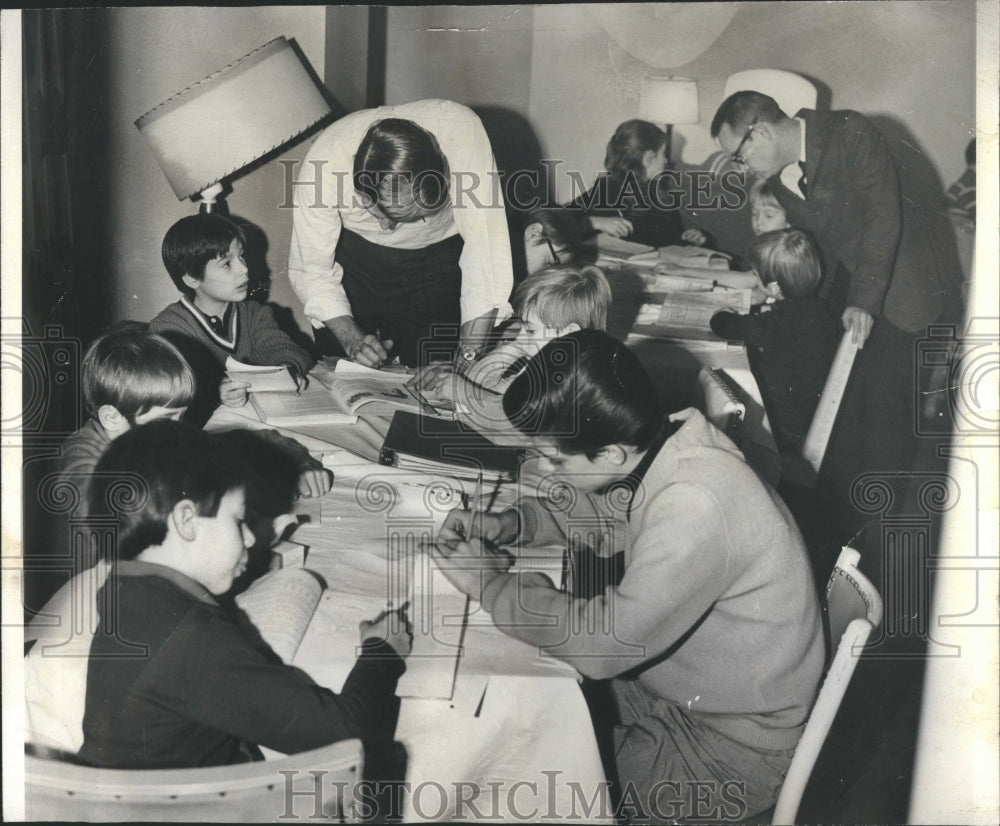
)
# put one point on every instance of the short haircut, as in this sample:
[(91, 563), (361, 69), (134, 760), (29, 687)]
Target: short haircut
[(560, 227), (740, 108), (790, 257), (762, 194), (401, 169), (194, 241), (147, 470), (631, 141), (585, 391), (565, 295), (135, 370)]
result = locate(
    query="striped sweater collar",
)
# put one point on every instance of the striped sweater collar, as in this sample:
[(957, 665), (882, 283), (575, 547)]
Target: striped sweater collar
[(232, 328)]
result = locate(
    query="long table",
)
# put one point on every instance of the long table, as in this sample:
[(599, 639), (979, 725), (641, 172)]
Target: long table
[(513, 739)]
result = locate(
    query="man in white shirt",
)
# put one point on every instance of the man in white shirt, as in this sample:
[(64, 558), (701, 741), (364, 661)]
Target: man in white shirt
[(402, 239)]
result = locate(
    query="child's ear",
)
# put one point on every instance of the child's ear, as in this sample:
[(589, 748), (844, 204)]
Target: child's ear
[(184, 519), (648, 157), (111, 419), (190, 281), (533, 232), (614, 455)]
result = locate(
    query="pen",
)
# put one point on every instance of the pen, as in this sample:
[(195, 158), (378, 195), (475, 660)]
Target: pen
[(474, 510)]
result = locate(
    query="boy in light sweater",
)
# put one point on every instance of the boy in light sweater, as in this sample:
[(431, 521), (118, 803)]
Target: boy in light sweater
[(708, 627)]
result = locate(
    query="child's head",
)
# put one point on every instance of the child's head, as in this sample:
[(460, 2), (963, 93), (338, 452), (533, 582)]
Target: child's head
[(587, 395), (559, 300), (766, 214), (178, 489), (203, 253), (789, 259), (551, 238), (132, 376), (639, 147), (401, 172)]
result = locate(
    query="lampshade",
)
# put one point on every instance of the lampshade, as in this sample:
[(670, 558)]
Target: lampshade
[(670, 100), (221, 124)]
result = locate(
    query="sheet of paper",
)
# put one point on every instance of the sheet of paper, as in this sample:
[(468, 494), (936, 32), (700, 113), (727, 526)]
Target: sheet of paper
[(281, 605), (263, 379)]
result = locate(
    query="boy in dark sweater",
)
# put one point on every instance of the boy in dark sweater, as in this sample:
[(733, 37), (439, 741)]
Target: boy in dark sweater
[(207, 690), (213, 320), (791, 333)]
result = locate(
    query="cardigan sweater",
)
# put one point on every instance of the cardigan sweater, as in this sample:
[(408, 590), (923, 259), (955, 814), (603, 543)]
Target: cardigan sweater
[(208, 689), (716, 612)]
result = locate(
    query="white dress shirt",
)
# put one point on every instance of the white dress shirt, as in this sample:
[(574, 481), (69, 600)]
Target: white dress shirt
[(476, 211), (792, 174)]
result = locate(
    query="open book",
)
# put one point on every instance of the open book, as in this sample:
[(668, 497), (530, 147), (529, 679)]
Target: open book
[(281, 605), (360, 389), (687, 314)]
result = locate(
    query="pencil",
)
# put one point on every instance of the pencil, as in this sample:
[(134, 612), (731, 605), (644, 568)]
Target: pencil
[(475, 507)]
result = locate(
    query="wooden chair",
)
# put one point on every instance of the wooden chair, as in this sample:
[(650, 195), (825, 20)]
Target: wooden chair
[(311, 784), (852, 610), (718, 398), (803, 469)]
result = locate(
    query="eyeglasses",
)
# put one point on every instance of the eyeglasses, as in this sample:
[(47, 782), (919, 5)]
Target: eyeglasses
[(737, 156), (552, 251)]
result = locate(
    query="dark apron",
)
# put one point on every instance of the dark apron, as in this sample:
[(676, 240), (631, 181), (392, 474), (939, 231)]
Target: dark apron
[(409, 296)]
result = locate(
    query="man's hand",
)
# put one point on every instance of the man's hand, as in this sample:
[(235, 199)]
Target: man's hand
[(616, 227), (314, 482), (858, 323), (470, 566), (371, 351), (393, 627), (694, 236), (233, 393)]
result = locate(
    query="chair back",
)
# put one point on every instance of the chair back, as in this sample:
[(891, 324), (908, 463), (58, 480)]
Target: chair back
[(852, 610), (720, 402), (790, 91), (803, 469), (311, 784)]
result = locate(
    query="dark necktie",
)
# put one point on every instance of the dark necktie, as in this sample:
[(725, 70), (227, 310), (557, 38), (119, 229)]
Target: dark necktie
[(802, 180)]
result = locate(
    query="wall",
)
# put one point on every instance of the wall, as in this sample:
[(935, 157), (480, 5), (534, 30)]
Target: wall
[(155, 52), (911, 64)]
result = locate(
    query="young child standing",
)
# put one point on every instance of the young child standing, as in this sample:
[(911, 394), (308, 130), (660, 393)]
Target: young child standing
[(791, 341), (622, 202), (711, 632), (203, 255), (208, 690)]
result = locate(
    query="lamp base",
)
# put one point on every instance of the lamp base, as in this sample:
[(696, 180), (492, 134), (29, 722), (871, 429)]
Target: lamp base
[(211, 200)]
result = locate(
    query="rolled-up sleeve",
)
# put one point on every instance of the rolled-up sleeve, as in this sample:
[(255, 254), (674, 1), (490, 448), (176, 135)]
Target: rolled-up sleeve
[(478, 207)]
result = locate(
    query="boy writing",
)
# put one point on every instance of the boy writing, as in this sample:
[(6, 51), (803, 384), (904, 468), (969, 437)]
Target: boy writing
[(791, 341), (203, 255), (711, 634), (208, 690), (550, 303)]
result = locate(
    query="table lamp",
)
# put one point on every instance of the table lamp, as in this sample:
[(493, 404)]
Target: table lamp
[(217, 127), (668, 100)]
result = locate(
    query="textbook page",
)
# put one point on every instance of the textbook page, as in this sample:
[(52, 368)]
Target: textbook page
[(281, 605)]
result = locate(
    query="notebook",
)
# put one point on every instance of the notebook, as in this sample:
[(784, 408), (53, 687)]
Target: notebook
[(434, 445)]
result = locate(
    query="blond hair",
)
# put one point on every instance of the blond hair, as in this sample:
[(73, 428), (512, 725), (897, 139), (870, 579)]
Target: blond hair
[(560, 296)]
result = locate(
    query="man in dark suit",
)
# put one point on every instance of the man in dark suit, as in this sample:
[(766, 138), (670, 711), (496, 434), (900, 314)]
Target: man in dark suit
[(886, 275)]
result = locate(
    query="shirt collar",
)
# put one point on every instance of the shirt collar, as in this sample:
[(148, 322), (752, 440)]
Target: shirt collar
[(229, 323), (137, 567), (802, 139)]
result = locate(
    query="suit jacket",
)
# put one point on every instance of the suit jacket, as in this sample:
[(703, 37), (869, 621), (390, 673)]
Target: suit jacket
[(883, 253)]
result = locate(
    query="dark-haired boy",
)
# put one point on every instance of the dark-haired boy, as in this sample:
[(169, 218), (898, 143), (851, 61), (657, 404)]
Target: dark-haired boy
[(710, 629), (207, 690), (203, 255)]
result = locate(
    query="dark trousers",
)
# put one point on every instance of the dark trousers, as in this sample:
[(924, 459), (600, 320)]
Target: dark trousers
[(409, 296)]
